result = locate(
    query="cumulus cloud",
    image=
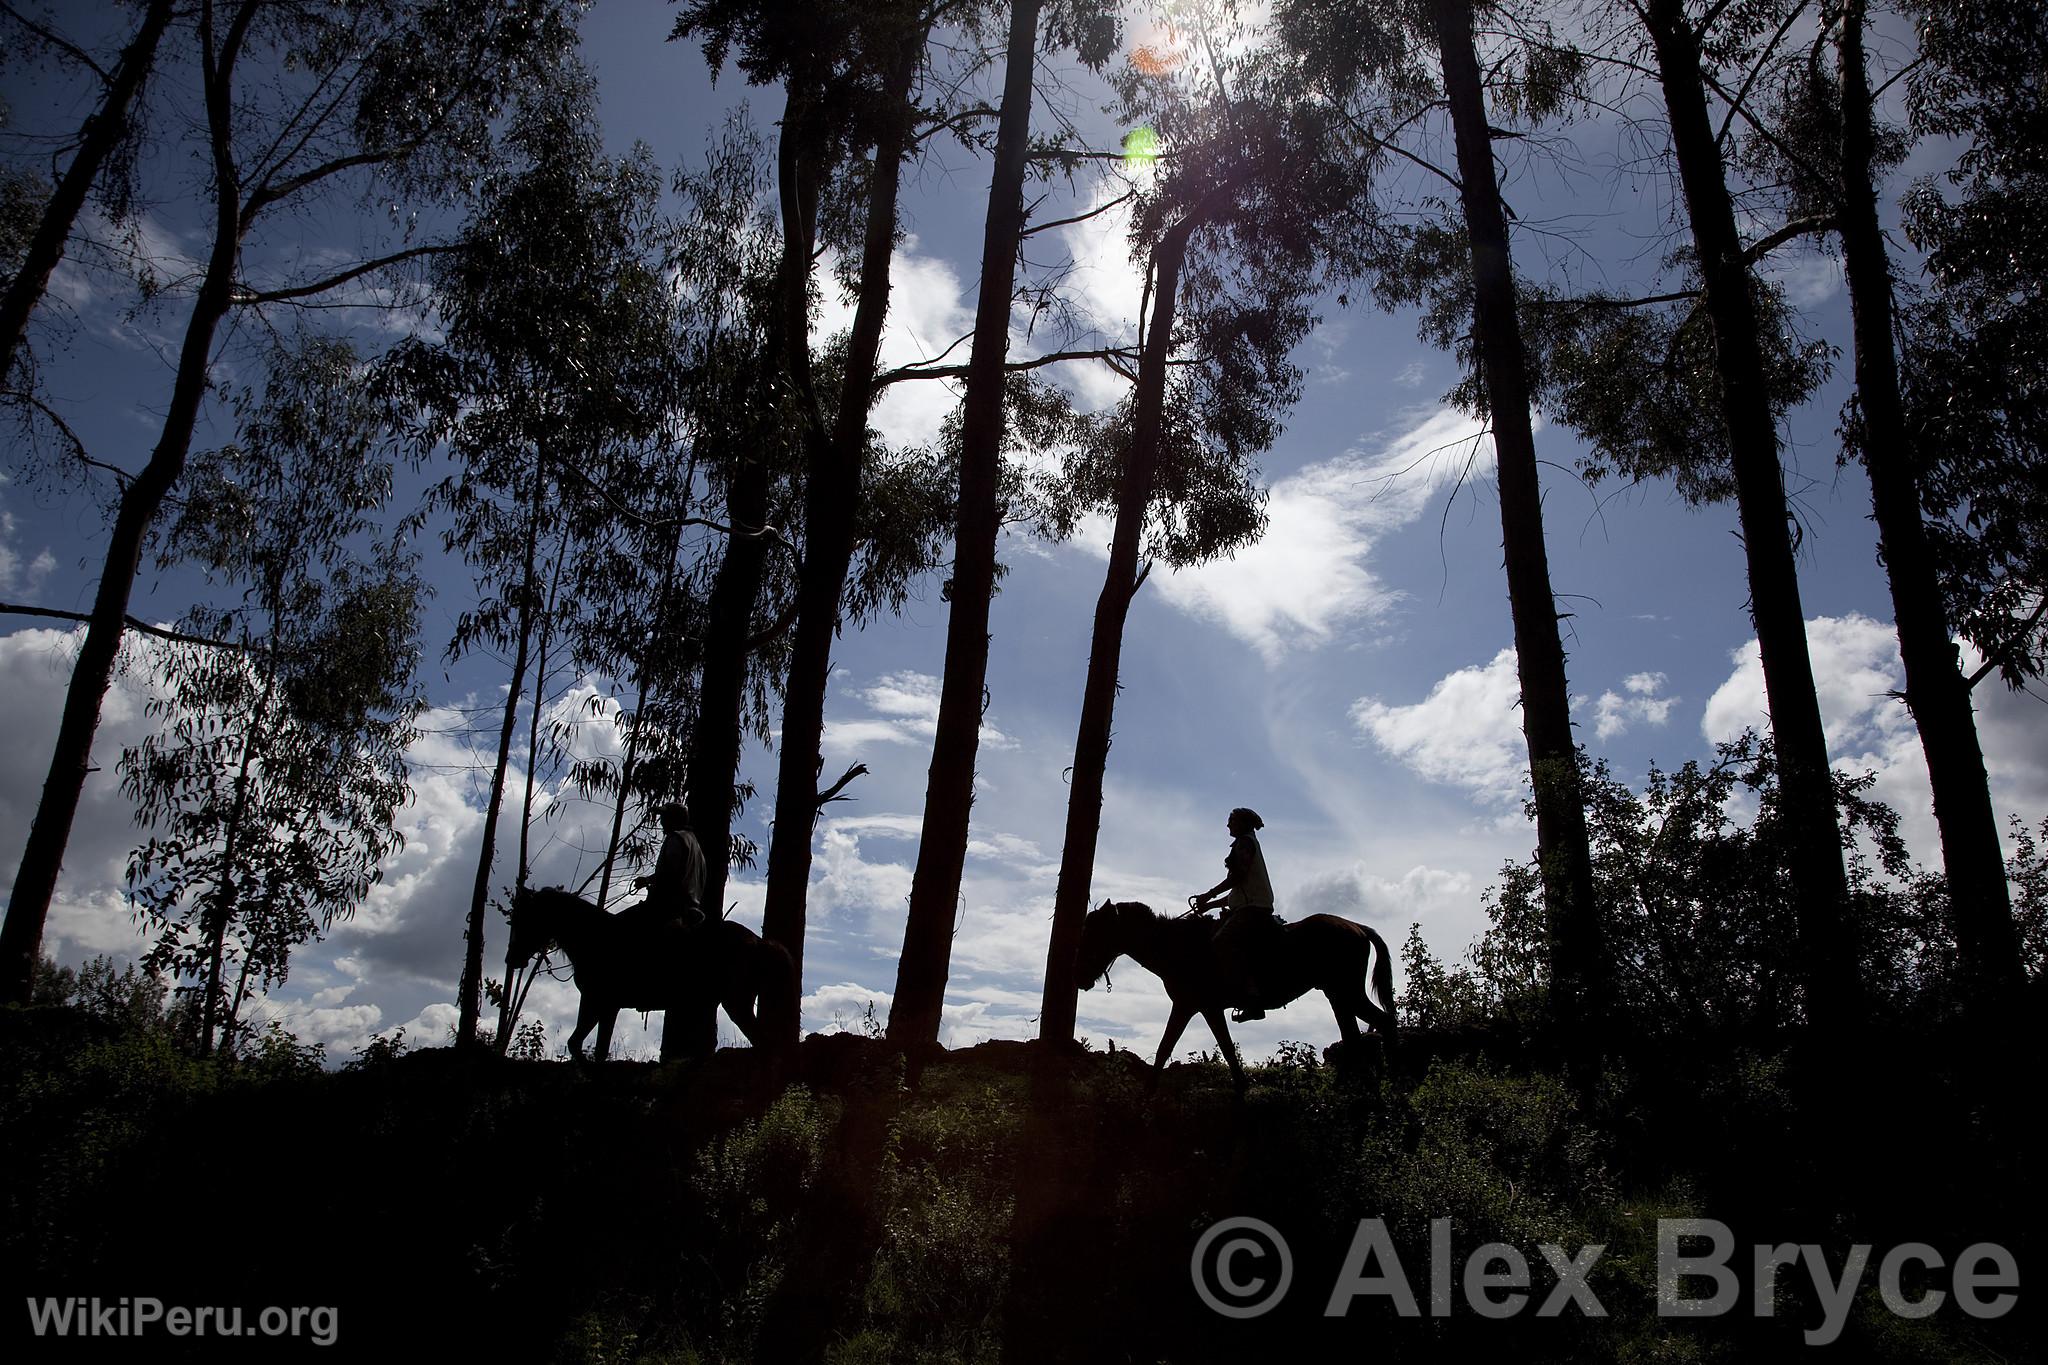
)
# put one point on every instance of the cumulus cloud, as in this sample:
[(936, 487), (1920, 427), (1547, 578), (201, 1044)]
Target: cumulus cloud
[(1638, 703), (1467, 732), (1356, 892), (18, 575), (1855, 668), (929, 309), (903, 709), (90, 912), (1311, 574), (1856, 672)]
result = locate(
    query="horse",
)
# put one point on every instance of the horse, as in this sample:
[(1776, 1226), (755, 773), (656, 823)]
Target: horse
[(640, 961), (1322, 952)]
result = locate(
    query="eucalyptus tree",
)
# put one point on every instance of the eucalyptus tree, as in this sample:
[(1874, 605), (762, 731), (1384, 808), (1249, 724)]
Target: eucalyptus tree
[(1578, 964), (298, 106), (915, 1010), (803, 47), (556, 368), (1680, 43), (834, 486), (1250, 203), (279, 762), (849, 72), (1690, 383), (98, 145), (1374, 70), (1937, 693), (1975, 395)]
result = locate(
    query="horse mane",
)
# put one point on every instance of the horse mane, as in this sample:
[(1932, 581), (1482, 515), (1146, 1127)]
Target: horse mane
[(1173, 926), (560, 899)]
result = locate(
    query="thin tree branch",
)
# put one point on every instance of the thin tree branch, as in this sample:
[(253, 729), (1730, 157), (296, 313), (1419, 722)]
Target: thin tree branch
[(831, 793), (1123, 198), (133, 622), (1109, 355), (58, 41), (1991, 664), (1763, 59), (244, 295), (1812, 224), (776, 628), (270, 194)]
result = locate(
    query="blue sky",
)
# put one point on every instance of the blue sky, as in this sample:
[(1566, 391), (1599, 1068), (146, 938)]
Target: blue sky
[(1351, 676)]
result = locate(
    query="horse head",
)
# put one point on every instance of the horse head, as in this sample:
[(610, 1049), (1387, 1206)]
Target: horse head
[(1102, 942), (533, 923)]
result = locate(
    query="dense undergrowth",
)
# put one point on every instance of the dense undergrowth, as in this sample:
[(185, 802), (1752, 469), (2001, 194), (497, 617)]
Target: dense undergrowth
[(998, 1205)]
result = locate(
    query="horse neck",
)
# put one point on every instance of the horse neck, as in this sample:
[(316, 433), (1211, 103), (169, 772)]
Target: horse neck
[(1145, 941), (575, 925)]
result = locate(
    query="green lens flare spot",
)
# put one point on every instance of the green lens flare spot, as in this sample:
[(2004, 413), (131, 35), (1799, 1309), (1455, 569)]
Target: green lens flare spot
[(1141, 147)]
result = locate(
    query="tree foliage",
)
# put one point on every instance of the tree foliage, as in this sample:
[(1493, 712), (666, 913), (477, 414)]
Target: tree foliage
[(271, 786)]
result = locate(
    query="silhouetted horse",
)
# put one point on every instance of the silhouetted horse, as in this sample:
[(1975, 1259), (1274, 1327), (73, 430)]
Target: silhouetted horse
[(1321, 953), (639, 961)]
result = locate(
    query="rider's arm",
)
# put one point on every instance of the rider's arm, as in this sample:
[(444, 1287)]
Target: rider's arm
[(1202, 901)]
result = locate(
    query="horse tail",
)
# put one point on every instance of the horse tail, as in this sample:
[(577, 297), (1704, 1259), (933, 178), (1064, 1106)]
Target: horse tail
[(1382, 975)]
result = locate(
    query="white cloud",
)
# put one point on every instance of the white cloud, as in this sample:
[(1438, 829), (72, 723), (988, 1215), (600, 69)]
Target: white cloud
[(1856, 671), (90, 912), (1356, 892), (905, 710), (1855, 667), (1637, 703), (16, 576), (1310, 574), (1467, 732), (928, 311)]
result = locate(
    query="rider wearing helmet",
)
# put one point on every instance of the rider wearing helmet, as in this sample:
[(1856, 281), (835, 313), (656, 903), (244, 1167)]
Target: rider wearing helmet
[(1247, 893)]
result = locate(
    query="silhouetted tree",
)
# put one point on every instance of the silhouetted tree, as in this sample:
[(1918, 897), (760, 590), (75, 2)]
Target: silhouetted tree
[(1752, 442), (1976, 371), (1936, 691), (557, 354), (99, 140), (919, 999), (1578, 966), (419, 87), (1248, 207), (281, 761)]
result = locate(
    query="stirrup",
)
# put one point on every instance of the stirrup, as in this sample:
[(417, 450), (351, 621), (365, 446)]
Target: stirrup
[(1246, 1016)]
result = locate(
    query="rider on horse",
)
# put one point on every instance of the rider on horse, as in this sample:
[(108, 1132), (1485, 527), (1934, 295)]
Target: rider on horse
[(675, 889), (1248, 919)]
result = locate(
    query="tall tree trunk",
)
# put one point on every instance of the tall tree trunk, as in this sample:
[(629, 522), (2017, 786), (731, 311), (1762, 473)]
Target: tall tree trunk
[(509, 1003), (644, 666), (35, 878), (1936, 691), (716, 738), (102, 133), (469, 995), (1577, 960), (1105, 651), (1805, 784), (831, 500), (921, 973), (220, 912)]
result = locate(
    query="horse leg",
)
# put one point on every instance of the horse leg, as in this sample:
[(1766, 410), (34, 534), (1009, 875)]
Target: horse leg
[(1176, 1024), (739, 1007), (1217, 1026), (1347, 1021), (606, 1021), (586, 1018)]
